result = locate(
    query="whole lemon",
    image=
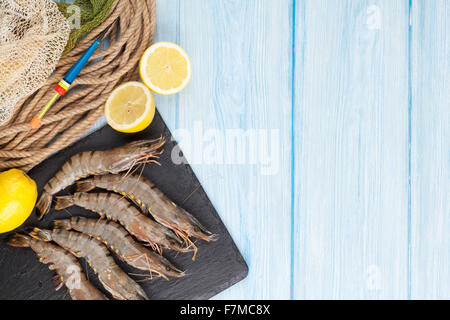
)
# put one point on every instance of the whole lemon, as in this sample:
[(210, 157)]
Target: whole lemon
[(18, 195)]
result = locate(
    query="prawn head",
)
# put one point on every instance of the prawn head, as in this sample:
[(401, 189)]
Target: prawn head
[(20, 241), (135, 153), (42, 235)]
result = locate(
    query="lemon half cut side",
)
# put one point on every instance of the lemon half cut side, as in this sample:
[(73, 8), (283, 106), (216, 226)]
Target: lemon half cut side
[(130, 108), (165, 68)]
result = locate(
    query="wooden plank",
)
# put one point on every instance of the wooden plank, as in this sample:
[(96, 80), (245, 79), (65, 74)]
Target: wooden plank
[(351, 142), (430, 162), (167, 29), (241, 55)]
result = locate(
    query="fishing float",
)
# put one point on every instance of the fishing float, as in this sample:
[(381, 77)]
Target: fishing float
[(64, 85)]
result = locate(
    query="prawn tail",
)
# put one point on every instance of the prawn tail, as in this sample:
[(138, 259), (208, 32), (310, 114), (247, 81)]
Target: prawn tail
[(44, 204), (62, 224), (19, 241), (63, 202), (206, 236), (199, 231), (213, 237), (141, 293), (179, 274), (57, 282), (42, 235), (85, 186)]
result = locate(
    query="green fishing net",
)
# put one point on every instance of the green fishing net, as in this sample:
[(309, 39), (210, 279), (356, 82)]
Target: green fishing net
[(92, 14)]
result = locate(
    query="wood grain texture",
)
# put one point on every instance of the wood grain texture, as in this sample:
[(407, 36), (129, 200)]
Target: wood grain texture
[(359, 207), (351, 150), (430, 150), (241, 56)]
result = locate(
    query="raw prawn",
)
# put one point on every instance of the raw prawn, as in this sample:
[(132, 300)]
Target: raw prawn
[(147, 196), (99, 162), (117, 282), (119, 241), (69, 271), (116, 208)]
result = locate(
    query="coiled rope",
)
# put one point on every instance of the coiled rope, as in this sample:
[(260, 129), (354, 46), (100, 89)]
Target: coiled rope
[(132, 33)]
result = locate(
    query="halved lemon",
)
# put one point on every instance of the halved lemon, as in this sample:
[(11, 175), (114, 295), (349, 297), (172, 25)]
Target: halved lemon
[(130, 108), (165, 68)]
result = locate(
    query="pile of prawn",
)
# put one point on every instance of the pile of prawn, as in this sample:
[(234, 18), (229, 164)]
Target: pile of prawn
[(132, 207)]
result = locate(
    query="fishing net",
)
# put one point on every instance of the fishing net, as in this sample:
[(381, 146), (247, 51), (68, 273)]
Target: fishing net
[(33, 35), (130, 27)]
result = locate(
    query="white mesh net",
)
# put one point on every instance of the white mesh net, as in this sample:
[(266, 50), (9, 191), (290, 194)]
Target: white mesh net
[(33, 34)]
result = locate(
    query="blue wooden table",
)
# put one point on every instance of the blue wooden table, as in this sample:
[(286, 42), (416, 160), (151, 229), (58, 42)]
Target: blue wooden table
[(348, 195)]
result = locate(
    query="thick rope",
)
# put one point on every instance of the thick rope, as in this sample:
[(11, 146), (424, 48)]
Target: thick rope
[(133, 29)]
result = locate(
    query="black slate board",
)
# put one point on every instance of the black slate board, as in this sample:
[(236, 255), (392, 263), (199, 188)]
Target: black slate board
[(219, 264)]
